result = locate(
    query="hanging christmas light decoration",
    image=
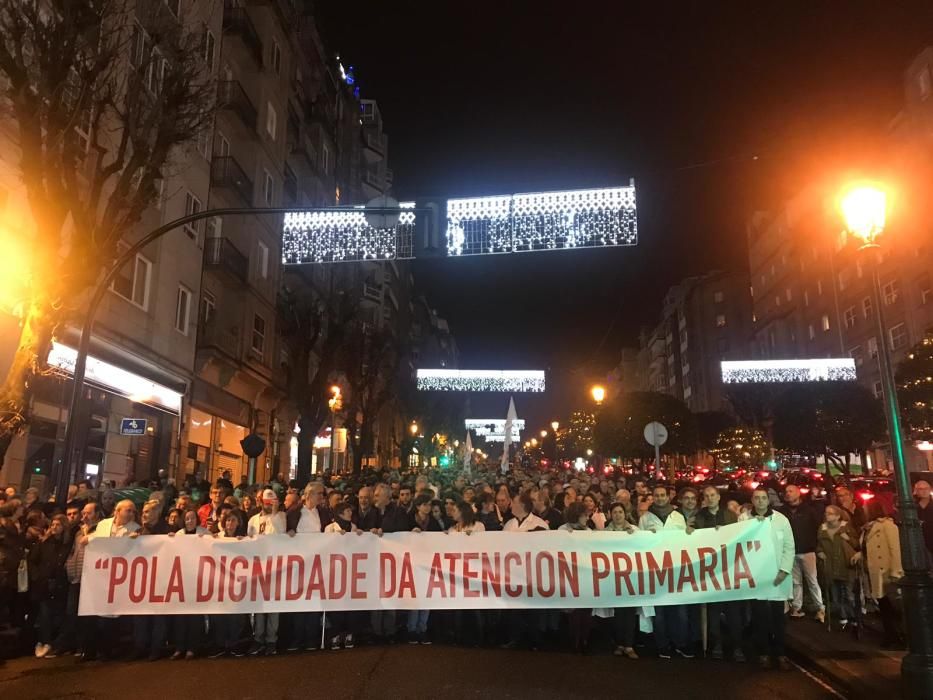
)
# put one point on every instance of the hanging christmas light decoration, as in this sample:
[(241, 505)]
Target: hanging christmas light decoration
[(345, 236), (777, 371), (493, 429), (480, 380), (542, 221)]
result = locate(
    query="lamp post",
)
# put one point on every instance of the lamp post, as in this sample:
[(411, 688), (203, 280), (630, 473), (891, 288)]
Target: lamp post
[(599, 394), (334, 403), (864, 209)]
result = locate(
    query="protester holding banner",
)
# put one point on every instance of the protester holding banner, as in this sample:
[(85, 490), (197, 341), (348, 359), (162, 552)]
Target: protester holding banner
[(768, 608), (268, 522)]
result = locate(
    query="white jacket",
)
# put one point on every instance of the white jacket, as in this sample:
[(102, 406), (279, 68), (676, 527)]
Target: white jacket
[(783, 537), (107, 528), (262, 524), (650, 521), (531, 522)]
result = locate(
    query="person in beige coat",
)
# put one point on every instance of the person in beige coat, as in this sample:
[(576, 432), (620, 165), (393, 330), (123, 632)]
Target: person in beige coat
[(881, 560)]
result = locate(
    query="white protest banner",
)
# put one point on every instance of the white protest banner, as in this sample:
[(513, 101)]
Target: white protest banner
[(413, 571)]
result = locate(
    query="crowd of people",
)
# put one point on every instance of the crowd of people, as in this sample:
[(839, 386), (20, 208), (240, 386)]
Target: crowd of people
[(841, 554)]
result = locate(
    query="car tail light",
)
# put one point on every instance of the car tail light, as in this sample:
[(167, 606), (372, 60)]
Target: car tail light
[(699, 477), (754, 484), (804, 490), (607, 470), (866, 495)]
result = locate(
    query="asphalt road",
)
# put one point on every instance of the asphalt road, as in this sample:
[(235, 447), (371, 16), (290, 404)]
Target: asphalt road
[(403, 672)]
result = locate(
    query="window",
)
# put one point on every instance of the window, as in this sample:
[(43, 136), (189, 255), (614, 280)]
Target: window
[(873, 348), (132, 282), (223, 148), (192, 206), (174, 7), (926, 293), (819, 287), (811, 332), (325, 159), (842, 280), (788, 294), (276, 57), (204, 138), (258, 342), (876, 389), (720, 320), (214, 227), (856, 354), (751, 290), (182, 310), (889, 291), (268, 191), (806, 297), (210, 49), (825, 322), (271, 120), (262, 262), (718, 297), (898, 336), (866, 307), (849, 315), (208, 306), (777, 300)]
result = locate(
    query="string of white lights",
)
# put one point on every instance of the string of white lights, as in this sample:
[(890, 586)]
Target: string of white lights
[(493, 429), (343, 236), (480, 380), (778, 371), (542, 221)]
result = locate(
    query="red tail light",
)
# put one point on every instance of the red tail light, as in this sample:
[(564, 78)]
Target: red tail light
[(866, 495), (804, 490)]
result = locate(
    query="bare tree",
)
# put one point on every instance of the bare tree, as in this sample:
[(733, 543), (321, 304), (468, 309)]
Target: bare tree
[(101, 95)]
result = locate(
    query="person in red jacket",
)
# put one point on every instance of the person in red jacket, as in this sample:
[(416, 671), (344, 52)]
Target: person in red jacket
[(209, 513)]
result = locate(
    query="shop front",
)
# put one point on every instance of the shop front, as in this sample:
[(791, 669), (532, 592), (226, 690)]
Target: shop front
[(217, 422)]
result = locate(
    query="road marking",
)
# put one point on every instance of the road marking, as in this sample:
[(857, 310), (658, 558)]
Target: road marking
[(819, 681)]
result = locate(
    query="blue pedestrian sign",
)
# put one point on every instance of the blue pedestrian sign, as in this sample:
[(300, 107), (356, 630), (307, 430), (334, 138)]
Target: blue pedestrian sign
[(133, 426)]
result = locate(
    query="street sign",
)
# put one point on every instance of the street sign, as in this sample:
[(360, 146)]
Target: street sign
[(133, 426), (655, 434)]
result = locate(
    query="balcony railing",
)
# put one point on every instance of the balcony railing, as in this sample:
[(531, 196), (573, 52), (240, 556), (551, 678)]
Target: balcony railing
[(238, 23), (232, 96), (212, 334), (226, 172), (374, 141), (221, 253)]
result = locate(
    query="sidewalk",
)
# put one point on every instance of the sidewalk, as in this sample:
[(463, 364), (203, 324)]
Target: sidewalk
[(858, 666)]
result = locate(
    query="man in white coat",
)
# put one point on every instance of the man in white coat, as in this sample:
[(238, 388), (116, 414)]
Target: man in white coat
[(670, 621), (269, 521), (768, 611)]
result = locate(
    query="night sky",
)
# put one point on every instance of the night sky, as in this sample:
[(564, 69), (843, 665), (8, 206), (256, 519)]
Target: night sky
[(716, 109)]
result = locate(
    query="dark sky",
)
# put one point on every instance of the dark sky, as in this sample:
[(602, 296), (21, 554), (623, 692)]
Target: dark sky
[(716, 109)]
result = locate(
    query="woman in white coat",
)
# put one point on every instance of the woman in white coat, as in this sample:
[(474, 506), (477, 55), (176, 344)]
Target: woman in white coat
[(881, 556), (768, 610)]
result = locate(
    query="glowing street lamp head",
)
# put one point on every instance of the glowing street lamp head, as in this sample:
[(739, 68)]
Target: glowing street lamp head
[(543, 434), (555, 425), (534, 442), (864, 208), (335, 390), (413, 428), (598, 393)]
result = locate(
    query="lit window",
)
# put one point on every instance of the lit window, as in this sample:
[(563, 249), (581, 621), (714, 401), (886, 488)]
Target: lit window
[(258, 342), (182, 310), (272, 119), (849, 316), (898, 336), (825, 322), (720, 320), (132, 281)]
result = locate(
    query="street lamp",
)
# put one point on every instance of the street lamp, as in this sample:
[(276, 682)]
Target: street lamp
[(543, 434), (554, 425), (334, 403), (599, 394), (413, 428), (864, 208)]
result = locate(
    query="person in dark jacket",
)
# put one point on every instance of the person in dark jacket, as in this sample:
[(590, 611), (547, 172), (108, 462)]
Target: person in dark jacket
[(11, 554), (545, 511), (367, 517), (711, 515), (48, 582), (390, 518), (149, 631), (805, 523)]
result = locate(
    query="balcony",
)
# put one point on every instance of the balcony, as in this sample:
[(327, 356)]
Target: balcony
[(227, 173), (212, 333), (232, 96), (221, 254), (375, 145), (238, 23)]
